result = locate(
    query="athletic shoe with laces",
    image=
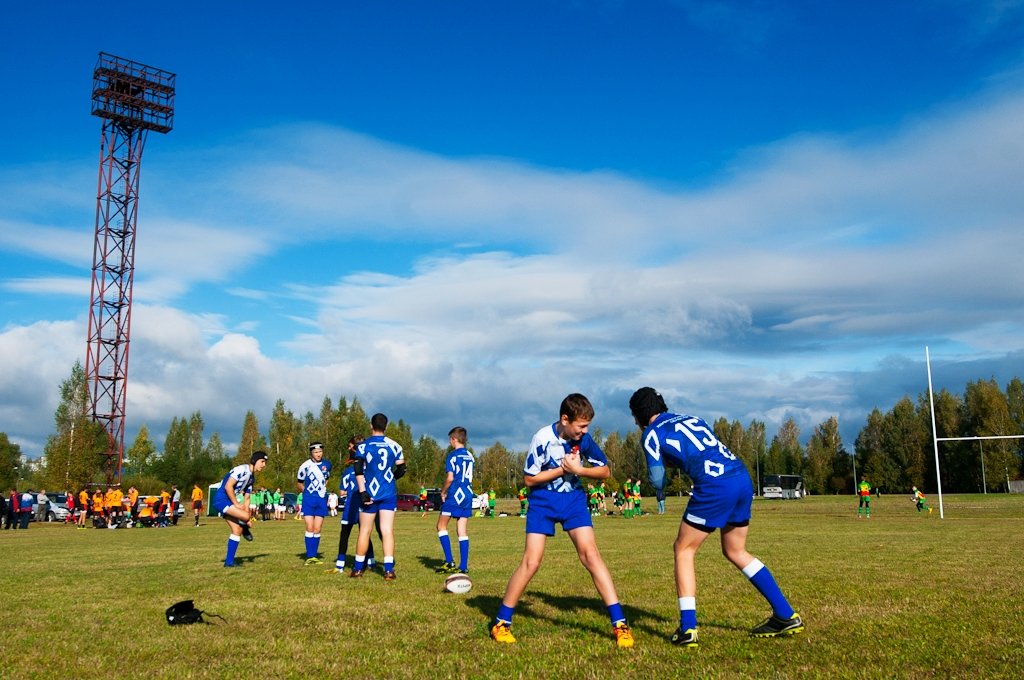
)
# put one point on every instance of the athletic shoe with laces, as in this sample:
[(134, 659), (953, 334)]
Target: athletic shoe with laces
[(356, 573), (334, 570), (447, 568), (502, 632), (246, 533), (313, 560), (685, 638), (773, 626), (390, 575), (623, 635)]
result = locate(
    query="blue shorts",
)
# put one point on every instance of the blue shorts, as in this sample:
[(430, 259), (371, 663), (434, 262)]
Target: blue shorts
[(314, 506), (221, 502), (547, 509), (721, 503), (350, 513), (457, 511), (382, 504)]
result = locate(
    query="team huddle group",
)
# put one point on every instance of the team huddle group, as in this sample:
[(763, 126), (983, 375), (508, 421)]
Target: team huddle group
[(560, 456)]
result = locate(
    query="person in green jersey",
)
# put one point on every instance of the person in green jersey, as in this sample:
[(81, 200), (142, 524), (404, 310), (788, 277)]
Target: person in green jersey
[(921, 501), (637, 512), (523, 501), (864, 491), (492, 500)]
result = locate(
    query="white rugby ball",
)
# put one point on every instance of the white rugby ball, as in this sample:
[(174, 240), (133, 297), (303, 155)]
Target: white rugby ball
[(458, 584)]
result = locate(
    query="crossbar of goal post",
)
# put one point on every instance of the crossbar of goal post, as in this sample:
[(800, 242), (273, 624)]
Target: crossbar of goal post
[(937, 439)]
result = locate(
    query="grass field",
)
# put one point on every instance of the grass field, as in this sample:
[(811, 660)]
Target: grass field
[(900, 595)]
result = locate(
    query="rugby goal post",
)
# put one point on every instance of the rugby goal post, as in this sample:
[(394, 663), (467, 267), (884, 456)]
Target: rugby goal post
[(936, 439)]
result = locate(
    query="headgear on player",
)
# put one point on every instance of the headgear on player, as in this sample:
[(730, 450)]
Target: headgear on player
[(644, 403), (314, 446)]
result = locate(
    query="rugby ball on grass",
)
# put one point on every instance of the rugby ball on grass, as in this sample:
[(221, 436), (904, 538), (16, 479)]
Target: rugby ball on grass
[(458, 584)]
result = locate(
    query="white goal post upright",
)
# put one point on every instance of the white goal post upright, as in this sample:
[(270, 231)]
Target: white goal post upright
[(936, 439)]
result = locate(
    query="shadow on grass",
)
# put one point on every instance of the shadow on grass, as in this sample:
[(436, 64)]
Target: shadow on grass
[(431, 563), (249, 559)]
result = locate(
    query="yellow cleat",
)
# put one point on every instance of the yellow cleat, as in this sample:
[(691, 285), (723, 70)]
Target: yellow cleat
[(502, 632), (623, 635)]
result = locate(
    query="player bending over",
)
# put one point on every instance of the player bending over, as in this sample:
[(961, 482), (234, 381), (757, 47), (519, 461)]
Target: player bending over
[(554, 466), (236, 513), (721, 499)]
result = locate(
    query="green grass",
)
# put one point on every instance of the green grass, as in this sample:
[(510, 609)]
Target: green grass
[(901, 595)]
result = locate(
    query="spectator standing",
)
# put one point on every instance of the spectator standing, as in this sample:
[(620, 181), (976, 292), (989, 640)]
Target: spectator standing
[(42, 506), (13, 510), (175, 503), (25, 509)]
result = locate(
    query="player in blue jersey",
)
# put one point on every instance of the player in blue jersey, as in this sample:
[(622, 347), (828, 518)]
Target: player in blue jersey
[(379, 464), (554, 466), (721, 499), (237, 483), (457, 501), (311, 481), (350, 510)]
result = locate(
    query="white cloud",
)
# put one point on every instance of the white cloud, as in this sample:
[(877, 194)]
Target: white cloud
[(764, 294)]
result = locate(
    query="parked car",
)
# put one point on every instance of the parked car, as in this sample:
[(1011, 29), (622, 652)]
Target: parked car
[(411, 501), (434, 496), (290, 501), (58, 510)]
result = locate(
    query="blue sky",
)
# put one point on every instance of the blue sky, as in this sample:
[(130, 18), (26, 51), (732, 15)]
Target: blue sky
[(462, 211)]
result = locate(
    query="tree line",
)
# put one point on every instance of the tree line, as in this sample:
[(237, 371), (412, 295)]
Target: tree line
[(893, 450)]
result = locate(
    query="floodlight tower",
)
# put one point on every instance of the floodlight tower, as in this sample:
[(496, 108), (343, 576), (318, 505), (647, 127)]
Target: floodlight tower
[(132, 99)]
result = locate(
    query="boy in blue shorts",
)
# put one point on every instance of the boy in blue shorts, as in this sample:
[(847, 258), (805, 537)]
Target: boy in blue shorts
[(456, 501), (311, 481), (721, 499), (554, 466), (378, 463), (237, 483)]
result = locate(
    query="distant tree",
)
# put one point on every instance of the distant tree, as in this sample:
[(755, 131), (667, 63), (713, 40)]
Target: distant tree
[(251, 439), (755, 447), (10, 459), (495, 469), (287, 448), (142, 454), (988, 414), (822, 450), (75, 453)]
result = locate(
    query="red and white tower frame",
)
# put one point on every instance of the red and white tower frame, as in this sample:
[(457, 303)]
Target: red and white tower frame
[(132, 99)]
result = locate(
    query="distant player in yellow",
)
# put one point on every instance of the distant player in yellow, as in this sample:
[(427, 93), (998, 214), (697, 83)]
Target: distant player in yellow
[(197, 501), (864, 491)]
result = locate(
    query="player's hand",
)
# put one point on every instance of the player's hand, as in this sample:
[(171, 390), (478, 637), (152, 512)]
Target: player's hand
[(571, 463), (365, 497)]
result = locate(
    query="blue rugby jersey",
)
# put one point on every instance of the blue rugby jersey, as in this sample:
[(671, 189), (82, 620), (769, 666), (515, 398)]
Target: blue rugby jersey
[(546, 452), (460, 463), (690, 444), (314, 477), (380, 454)]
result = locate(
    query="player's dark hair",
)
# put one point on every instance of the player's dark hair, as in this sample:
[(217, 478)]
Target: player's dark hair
[(379, 422), (576, 407), (645, 403), (460, 434)]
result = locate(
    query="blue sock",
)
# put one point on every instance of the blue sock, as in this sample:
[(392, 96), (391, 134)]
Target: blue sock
[(389, 563), (763, 580), (463, 553), (232, 549), (340, 562), (359, 563), (446, 545), (505, 613), (687, 613), (310, 550), (316, 544), (615, 614)]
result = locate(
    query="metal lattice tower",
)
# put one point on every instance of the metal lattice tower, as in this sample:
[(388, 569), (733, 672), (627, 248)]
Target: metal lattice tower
[(132, 99)]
